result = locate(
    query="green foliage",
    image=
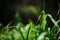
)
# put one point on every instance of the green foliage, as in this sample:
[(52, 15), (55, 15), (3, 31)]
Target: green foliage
[(31, 31)]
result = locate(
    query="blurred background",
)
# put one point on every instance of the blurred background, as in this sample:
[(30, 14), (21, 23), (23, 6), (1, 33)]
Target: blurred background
[(24, 8)]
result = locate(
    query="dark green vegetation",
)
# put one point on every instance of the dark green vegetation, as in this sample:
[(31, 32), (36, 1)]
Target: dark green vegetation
[(32, 32)]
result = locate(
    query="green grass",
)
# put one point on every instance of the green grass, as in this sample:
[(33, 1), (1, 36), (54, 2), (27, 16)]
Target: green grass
[(31, 31)]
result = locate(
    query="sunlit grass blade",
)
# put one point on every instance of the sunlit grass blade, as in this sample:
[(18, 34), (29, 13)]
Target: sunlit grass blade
[(43, 22), (41, 36), (55, 23)]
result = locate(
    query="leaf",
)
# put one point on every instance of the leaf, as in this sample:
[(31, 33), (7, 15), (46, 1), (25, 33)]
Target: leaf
[(43, 20), (43, 25), (55, 23), (35, 11), (41, 36)]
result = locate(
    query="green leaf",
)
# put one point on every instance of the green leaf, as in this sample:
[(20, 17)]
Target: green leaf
[(41, 36), (55, 23), (35, 11), (43, 21)]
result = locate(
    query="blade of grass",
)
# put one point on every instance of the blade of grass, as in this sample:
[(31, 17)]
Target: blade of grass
[(55, 23)]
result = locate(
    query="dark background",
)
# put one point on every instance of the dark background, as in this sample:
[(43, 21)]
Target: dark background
[(8, 9)]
